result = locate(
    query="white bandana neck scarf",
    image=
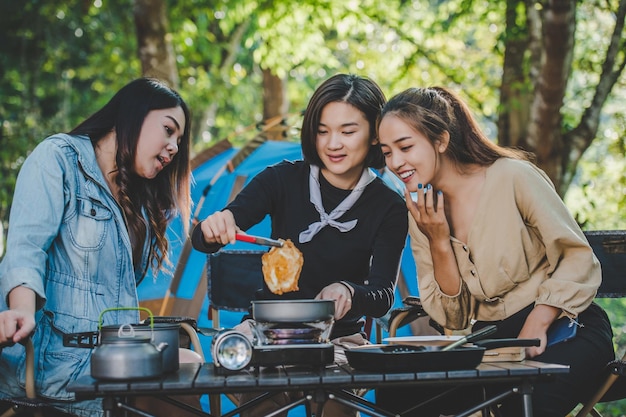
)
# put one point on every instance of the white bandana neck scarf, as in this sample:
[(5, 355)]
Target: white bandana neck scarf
[(329, 219)]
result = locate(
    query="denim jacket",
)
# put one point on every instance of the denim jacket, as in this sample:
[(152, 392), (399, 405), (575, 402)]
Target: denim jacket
[(69, 243)]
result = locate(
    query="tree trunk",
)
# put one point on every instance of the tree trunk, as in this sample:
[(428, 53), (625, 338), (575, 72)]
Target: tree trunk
[(514, 91), (274, 102), (155, 49), (539, 54), (545, 130)]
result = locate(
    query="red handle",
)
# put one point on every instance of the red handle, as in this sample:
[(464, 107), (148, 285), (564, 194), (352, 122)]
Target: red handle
[(245, 238)]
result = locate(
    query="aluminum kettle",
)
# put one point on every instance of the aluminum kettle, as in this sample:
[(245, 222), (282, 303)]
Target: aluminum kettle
[(127, 355)]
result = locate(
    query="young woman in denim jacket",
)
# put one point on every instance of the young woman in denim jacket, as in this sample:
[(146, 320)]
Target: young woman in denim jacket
[(88, 218)]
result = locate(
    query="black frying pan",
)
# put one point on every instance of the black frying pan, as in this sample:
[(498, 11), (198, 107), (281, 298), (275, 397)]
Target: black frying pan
[(408, 358), (293, 311), (411, 358)]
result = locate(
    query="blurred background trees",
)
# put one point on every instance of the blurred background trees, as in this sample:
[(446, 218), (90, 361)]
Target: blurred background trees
[(547, 76)]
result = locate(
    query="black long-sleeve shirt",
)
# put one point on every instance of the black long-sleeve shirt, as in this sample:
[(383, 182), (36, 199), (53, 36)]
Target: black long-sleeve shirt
[(367, 256)]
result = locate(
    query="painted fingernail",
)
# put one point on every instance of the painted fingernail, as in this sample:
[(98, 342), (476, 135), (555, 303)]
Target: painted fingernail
[(439, 192), (419, 186), (429, 186)]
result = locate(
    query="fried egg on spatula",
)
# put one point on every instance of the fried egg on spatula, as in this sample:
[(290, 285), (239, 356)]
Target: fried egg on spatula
[(281, 268)]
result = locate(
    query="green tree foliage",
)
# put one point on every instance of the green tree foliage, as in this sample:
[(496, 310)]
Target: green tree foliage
[(58, 61), (61, 60)]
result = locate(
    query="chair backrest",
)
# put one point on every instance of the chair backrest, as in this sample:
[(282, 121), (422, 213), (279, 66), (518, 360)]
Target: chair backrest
[(233, 278), (610, 249)]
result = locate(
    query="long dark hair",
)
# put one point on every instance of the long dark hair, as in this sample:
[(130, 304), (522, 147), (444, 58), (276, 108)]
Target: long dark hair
[(436, 110), (360, 92), (159, 198)]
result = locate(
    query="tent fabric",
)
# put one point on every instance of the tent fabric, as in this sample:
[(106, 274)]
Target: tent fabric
[(268, 153)]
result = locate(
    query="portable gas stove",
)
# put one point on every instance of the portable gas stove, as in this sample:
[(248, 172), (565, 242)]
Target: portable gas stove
[(292, 344), (314, 354), (275, 343)]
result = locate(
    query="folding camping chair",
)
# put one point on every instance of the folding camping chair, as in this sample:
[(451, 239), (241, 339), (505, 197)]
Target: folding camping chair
[(610, 249), (233, 278), (31, 404), (410, 311)]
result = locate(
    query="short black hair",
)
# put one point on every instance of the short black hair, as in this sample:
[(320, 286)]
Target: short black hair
[(360, 92)]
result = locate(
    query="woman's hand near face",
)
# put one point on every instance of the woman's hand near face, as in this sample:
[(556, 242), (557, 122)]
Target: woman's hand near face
[(341, 294), (429, 214), (219, 228)]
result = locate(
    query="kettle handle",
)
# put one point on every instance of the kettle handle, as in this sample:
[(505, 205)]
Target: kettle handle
[(126, 330), (145, 310)]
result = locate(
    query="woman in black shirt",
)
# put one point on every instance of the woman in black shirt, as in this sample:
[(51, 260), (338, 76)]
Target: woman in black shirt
[(357, 266), (349, 226)]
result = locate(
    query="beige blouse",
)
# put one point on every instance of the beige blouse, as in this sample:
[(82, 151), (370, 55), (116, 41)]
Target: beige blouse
[(523, 247)]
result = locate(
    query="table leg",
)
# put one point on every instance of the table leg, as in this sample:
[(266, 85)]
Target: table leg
[(248, 404), (526, 391), (358, 403), (291, 405), (108, 405), (486, 403)]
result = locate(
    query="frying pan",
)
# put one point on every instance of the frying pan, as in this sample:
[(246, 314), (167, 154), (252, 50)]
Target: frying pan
[(405, 358), (411, 358), (408, 358), (293, 311)]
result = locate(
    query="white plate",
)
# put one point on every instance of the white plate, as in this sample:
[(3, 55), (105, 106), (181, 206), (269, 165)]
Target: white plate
[(423, 340)]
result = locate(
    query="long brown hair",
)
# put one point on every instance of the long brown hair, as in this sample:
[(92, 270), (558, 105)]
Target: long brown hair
[(436, 110), (156, 200)]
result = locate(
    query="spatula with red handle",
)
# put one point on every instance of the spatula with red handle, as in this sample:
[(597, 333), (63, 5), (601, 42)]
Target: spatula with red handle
[(242, 237)]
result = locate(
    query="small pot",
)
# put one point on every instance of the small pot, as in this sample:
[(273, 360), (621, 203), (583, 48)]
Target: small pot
[(293, 311), (127, 356)]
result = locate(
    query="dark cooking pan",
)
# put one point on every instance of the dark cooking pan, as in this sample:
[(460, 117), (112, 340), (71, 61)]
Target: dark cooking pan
[(293, 311), (409, 358)]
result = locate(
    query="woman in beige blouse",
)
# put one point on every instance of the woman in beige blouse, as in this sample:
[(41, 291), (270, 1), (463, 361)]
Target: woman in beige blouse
[(494, 244)]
